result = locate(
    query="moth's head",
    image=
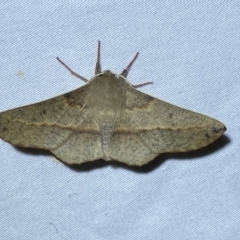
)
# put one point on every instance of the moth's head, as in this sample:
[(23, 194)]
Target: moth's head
[(108, 77)]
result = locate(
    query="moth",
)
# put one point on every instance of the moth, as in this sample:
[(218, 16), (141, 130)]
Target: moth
[(107, 118)]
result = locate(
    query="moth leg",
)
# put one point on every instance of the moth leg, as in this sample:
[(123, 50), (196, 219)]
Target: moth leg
[(141, 84), (71, 71), (126, 70), (98, 64)]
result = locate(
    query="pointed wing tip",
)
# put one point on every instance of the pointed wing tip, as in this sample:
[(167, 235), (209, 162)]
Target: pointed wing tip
[(219, 129), (224, 128)]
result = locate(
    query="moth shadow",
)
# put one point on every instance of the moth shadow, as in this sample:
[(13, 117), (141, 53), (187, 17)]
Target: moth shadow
[(89, 166), (33, 151), (210, 149)]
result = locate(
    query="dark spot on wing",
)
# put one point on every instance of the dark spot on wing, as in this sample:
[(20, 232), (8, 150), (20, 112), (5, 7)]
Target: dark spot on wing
[(44, 111), (215, 130)]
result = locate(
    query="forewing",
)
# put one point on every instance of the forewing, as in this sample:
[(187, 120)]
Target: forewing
[(61, 125), (150, 126)]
